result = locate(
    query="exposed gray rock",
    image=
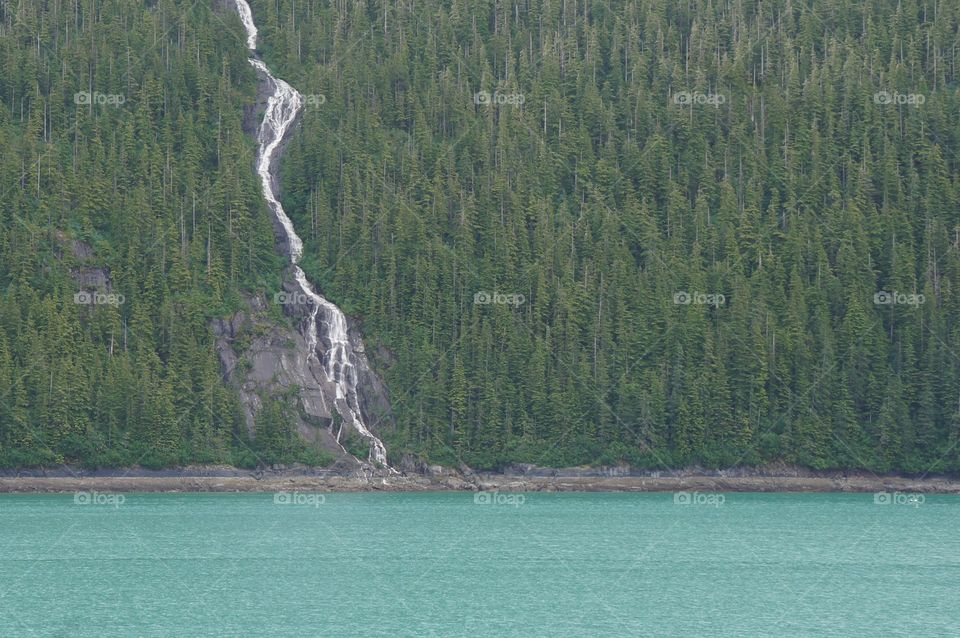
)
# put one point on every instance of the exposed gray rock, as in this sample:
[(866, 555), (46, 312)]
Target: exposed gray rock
[(92, 278), (79, 250), (264, 358), (373, 395), (271, 360), (82, 264)]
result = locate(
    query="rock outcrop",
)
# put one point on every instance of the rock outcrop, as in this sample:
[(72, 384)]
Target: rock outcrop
[(266, 358), (319, 362)]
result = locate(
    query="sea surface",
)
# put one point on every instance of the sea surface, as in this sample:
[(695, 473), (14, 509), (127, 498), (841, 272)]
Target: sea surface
[(452, 564)]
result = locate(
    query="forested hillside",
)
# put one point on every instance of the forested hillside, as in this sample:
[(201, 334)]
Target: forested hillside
[(653, 231), (129, 215), (662, 233)]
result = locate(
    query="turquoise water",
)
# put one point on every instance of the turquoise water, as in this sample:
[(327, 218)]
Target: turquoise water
[(444, 565)]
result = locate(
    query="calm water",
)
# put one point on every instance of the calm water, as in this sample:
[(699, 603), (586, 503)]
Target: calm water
[(443, 565)]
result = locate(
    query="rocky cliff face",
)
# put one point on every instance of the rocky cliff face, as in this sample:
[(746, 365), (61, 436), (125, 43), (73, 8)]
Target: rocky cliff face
[(319, 361), (264, 358), (82, 263)]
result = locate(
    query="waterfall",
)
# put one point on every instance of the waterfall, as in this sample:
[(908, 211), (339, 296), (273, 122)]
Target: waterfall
[(282, 109)]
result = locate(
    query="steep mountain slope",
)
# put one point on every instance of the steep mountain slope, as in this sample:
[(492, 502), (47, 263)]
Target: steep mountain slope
[(717, 233), (331, 364), (660, 232), (130, 219)]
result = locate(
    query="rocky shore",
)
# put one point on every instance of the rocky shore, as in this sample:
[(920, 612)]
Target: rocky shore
[(223, 479)]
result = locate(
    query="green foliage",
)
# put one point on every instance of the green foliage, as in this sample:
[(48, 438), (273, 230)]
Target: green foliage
[(122, 158), (603, 195), (619, 182)]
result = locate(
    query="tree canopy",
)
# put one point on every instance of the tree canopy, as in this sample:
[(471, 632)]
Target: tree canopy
[(572, 231)]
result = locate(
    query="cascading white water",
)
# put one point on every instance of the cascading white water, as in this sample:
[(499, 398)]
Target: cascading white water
[(282, 109)]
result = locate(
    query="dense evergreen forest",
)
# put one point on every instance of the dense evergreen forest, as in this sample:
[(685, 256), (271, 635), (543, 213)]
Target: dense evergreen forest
[(125, 185), (784, 163), (645, 231)]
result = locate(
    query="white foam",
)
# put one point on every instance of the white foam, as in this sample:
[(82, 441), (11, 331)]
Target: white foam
[(282, 108)]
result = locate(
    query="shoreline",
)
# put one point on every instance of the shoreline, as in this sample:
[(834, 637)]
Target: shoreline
[(474, 483)]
